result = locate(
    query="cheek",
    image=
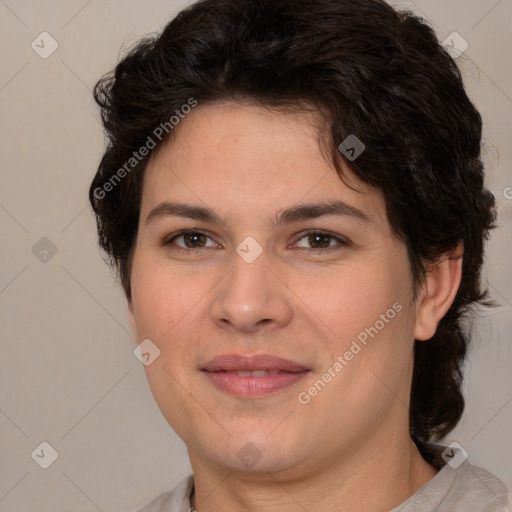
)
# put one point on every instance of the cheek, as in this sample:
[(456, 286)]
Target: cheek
[(161, 297), (162, 303), (366, 308), (352, 297)]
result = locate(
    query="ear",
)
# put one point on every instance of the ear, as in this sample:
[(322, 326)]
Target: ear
[(438, 292)]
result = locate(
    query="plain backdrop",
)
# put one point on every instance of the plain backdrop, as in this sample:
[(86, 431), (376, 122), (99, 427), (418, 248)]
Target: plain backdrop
[(68, 375)]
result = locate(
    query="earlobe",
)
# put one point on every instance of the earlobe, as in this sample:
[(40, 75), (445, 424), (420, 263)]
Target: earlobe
[(438, 292)]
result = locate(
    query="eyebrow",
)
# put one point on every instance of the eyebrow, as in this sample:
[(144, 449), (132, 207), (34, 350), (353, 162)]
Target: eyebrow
[(288, 216), (167, 209), (316, 210)]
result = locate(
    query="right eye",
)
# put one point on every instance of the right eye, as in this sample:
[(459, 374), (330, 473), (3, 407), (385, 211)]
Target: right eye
[(189, 240)]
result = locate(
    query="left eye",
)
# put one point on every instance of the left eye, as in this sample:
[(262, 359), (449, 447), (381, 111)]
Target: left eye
[(319, 240)]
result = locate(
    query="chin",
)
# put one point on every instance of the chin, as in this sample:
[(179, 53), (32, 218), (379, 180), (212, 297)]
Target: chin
[(257, 452)]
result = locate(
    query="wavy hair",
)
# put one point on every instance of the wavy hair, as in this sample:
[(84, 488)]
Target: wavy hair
[(368, 70)]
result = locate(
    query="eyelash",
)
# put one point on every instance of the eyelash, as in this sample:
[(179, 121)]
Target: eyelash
[(342, 242)]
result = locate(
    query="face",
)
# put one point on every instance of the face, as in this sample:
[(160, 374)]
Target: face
[(253, 255)]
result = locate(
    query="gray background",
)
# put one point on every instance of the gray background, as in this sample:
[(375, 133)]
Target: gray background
[(68, 375)]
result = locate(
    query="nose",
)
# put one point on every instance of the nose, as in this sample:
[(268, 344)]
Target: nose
[(251, 298)]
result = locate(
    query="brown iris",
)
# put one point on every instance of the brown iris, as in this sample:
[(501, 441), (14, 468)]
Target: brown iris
[(194, 240), (319, 240)]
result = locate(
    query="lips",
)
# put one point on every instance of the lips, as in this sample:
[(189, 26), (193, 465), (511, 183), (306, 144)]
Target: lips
[(236, 363), (253, 376), (254, 373)]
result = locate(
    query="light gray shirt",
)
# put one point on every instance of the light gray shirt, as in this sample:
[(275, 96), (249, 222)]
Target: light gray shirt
[(465, 489)]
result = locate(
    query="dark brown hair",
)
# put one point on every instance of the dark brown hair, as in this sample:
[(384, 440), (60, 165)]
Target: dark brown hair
[(369, 71)]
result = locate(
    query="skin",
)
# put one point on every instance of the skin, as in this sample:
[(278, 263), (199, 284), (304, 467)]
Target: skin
[(349, 448)]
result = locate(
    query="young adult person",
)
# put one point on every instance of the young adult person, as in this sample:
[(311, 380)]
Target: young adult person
[(294, 199)]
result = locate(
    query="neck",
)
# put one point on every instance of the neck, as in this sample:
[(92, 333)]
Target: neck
[(378, 481)]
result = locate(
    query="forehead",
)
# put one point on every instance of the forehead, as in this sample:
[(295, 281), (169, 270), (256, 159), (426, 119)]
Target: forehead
[(242, 158)]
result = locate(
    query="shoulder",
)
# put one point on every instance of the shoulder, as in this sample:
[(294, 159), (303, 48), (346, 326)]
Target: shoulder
[(467, 488), (176, 500), (475, 488)]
